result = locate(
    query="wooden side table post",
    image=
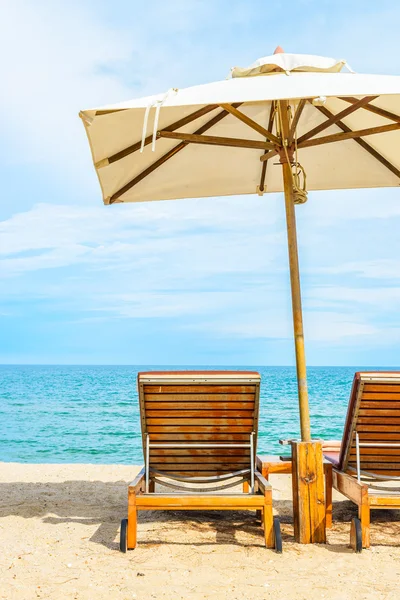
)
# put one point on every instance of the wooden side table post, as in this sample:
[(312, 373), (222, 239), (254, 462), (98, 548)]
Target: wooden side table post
[(308, 492), (268, 465)]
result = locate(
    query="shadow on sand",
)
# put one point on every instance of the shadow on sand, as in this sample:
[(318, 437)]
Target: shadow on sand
[(97, 502)]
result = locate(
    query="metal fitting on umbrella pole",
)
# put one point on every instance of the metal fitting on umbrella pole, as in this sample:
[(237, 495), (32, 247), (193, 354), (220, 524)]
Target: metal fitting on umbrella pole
[(286, 153)]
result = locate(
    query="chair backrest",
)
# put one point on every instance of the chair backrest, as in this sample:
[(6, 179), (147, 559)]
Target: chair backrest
[(373, 413), (205, 407)]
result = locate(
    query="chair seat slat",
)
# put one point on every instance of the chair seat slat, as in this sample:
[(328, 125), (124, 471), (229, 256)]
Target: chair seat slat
[(199, 389), (167, 404), (177, 398)]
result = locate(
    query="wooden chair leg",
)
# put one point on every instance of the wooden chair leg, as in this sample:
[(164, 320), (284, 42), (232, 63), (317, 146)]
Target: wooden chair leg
[(132, 520), (245, 487), (259, 513), (328, 496), (265, 472), (268, 525), (152, 486), (364, 514)]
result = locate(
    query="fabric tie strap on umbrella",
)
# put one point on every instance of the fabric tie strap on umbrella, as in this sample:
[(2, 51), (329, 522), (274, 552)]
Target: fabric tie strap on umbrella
[(157, 104)]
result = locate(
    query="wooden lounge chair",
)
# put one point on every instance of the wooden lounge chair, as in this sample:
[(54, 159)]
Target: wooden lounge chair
[(199, 432), (369, 456)]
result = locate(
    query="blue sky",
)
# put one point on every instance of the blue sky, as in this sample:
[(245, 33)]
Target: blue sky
[(187, 282)]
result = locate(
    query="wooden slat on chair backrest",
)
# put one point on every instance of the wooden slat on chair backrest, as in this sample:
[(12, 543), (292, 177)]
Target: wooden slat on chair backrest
[(199, 407), (374, 412)]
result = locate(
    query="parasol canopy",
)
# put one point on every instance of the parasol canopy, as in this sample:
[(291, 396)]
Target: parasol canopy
[(224, 138)]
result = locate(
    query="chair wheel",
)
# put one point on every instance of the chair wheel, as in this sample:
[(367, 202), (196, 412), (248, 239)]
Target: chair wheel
[(123, 536), (356, 535), (277, 535)]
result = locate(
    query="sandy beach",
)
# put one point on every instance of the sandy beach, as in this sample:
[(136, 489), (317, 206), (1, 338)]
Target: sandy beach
[(59, 531)]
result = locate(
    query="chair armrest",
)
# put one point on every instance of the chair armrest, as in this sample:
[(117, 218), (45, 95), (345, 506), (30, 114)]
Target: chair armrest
[(349, 486), (138, 481), (267, 464), (262, 482), (331, 445)]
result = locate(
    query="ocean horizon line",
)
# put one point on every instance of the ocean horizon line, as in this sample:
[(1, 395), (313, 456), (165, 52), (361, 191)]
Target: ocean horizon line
[(216, 366)]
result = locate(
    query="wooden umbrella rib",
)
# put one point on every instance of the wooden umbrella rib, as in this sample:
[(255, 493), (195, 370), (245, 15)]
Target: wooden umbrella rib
[(147, 171), (268, 155), (265, 163), (177, 125), (215, 140), (250, 123), (296, 120), (363, 144), (213, 121), (374, 109), (335, 118), (349, 135), (166, 157), (110, 111)]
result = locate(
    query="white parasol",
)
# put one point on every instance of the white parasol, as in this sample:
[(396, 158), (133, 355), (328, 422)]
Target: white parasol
[(287, 123)]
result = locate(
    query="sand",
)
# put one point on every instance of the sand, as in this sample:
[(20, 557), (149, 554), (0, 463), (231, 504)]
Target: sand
[(59, 534)]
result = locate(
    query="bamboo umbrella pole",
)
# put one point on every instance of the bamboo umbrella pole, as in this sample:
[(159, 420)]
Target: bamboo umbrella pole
[(307, 463), (295, 280)]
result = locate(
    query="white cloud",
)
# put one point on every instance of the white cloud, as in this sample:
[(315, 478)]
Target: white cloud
[(331, 327), (200, 237), (170, 304), (59, 57), (388, 268), (62, 57), (187, 259), (381, 298), (327, 327), (219, 265), (328, 208)]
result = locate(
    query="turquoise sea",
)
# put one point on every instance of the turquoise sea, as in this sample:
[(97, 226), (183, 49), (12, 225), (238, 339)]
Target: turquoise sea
[(89, 414)]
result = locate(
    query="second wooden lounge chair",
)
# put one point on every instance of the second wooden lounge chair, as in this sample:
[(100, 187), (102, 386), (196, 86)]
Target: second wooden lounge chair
[(369, 456), (199, 433)]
